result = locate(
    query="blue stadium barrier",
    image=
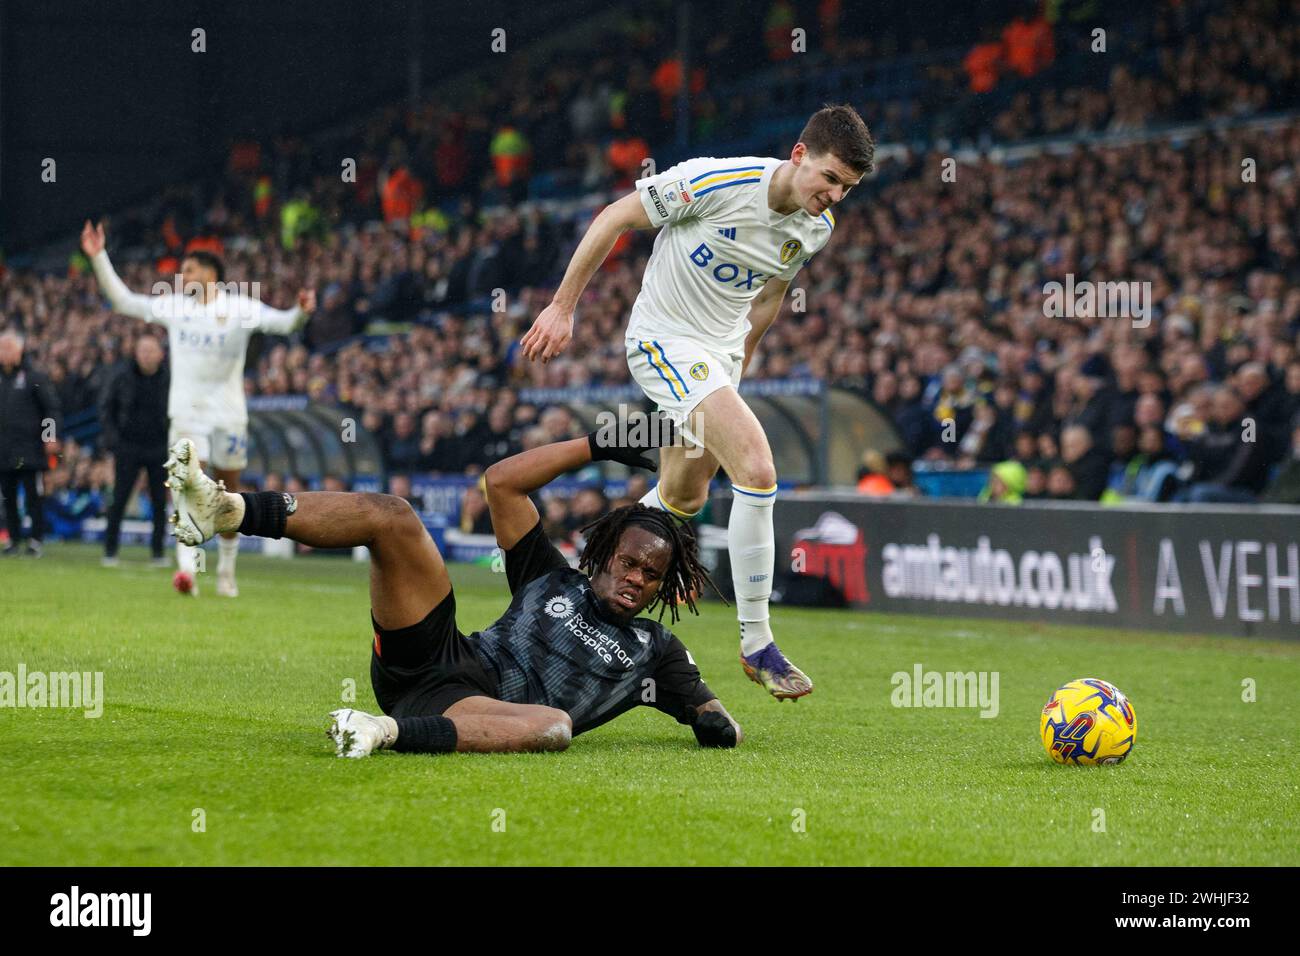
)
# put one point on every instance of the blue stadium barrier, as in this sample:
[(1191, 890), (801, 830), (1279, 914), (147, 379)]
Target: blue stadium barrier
[(950, 484)]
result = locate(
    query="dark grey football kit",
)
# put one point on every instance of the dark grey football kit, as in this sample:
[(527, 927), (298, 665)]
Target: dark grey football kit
[(556, 645)]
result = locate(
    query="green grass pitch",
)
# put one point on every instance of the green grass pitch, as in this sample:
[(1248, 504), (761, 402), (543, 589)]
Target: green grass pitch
[(220, 706)]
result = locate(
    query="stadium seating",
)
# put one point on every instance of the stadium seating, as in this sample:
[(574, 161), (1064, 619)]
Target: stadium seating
[(927, 304)]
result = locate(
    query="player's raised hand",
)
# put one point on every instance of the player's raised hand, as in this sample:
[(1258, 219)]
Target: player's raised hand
[(628, 445), (307, 300), (92, 239), (550, 334)]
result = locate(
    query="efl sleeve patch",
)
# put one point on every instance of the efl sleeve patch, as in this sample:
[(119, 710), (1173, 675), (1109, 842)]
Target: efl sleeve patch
[(675, 193), (665, 201)]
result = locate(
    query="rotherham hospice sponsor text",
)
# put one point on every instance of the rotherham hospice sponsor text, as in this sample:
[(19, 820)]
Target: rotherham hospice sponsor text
[(606, 647), (72, 689), (988, 575)]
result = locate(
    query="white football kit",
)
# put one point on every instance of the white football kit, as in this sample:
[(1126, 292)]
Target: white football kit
[(721, 243), (207, 343)]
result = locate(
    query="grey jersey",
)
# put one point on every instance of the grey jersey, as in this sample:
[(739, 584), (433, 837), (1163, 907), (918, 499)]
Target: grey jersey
[(556, 645)]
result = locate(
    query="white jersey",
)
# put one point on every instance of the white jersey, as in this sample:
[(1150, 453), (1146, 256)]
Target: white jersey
[(207, 343), (721, 243)]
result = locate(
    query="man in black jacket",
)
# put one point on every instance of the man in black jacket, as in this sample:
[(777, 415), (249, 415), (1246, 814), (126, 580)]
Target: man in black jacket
[(29, 424), (1233, 455), (1088, 465), (133, 413)]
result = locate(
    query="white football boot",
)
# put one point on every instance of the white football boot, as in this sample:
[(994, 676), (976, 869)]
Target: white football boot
[(356, 733), (199, 500)]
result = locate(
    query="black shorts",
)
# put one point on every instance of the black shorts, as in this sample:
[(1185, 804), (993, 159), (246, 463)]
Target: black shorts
[(421, 670)]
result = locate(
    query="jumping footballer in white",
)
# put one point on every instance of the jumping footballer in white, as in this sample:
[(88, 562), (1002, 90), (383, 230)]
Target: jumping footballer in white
[(207, 335), (735, 232)]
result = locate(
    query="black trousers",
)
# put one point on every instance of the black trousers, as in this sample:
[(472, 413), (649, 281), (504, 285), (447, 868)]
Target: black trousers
[(127, 462), (30, 480)]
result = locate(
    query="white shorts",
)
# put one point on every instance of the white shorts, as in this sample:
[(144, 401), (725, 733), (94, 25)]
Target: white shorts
[(220, 446), (679, 373)]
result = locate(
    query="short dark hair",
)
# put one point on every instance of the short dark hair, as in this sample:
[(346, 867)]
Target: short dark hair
[(840, 131), (209, 259)]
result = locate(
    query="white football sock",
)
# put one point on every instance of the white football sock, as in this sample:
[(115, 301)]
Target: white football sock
[(185, 559), (652, 499), (227, 551), (751, 543), (390, 730)]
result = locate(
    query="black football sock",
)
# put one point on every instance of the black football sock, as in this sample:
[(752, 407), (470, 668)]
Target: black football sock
[(265, 513), (425, 735)]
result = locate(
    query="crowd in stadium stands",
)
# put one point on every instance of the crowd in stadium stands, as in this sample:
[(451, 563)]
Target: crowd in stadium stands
[(929, 300), (1243, 66), (578, 122)]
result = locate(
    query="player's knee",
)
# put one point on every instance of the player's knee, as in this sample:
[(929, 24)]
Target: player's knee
[(553, 730), (390, 508), (757, 472), (687, 500), (391, 515)]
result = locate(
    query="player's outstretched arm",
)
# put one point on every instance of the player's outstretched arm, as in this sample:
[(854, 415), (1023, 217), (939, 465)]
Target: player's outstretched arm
[(509, 482), (680, 693), (275, 321), (550, 334), (124, 301)]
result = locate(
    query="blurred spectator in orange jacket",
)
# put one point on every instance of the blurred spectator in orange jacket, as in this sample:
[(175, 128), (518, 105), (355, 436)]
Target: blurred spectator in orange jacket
[(873, 479), (212, 244), (511, 154), (401, 194), (625, 155), (263, 196), (1028, 45), (983, 62), (667, 81)]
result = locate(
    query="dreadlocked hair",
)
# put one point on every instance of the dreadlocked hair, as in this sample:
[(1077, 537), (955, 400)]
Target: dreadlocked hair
[(684, 577)]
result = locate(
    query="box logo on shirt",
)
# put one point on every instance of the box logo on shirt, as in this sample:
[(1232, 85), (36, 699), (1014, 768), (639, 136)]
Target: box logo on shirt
[(727, 272), (789, 249), (201, 340)]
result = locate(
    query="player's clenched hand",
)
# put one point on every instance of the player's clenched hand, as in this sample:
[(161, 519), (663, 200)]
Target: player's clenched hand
[(628, 445), (713, 729), (92, 239), (549, 335), (307, 300)]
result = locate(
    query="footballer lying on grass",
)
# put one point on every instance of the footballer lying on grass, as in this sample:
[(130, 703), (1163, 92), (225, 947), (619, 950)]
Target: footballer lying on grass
[(568, 655)]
